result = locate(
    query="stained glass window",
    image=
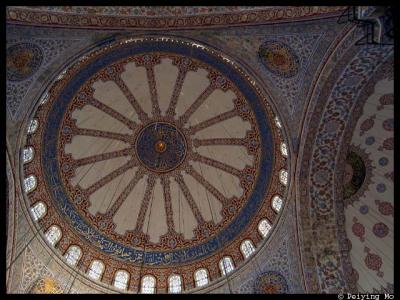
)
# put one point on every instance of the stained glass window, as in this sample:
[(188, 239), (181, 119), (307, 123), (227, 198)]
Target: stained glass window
[(38, 210), (284, 149), (226, 265), (148, 285), (277, 203), (29, 183), (121, 279), (175, 284), (33, 125), (201, 277), (27, 154), (73, 254), (283, 176), (96, 270), (277, 122), (247, 248), (264, 227), (53, 235)]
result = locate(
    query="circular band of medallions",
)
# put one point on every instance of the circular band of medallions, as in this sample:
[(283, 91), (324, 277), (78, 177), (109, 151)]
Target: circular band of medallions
[(208, 251)]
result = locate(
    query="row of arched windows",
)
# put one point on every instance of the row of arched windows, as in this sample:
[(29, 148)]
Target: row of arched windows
[(27, 156), (96, 269), (283, 174), (121, 279)]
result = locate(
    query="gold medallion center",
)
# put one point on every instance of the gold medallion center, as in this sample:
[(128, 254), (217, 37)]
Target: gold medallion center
[(160, 146)]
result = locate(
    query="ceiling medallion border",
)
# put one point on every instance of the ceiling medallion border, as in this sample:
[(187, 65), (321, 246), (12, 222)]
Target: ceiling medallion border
[(41, 192)]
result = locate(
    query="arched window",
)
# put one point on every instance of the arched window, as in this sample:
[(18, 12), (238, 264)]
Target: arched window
[(38, 210), (277, 122), (62, 74), (247, 248), (148, 285), (73, 255), (277, 203), (44, 99), (96, 269), (284, 149), (33, 125), (53, 235), (264, 227), (29, 183), (226, 265), (27, 154), (175, 284), (283, 176), (201, 277), (121, 279)]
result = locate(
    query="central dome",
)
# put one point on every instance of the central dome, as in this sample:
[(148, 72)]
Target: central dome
[(159, 153)]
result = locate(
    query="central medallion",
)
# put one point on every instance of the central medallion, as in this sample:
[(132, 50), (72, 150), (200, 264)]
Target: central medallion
[(160, 147)]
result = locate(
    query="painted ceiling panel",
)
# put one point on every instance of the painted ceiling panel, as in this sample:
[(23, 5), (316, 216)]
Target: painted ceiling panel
[(165, 75), (125, 218), (87, 116), (226, 183), (156, 211), (239, 157), (109, 94), (89, 174), (104, 198), (216, 104), (136, 80), (234, 127), (183, 217), (84, 146), (195, 83), (208, 205)]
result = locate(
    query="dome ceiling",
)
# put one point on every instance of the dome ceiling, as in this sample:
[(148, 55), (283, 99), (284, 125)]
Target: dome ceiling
[(157, 156)]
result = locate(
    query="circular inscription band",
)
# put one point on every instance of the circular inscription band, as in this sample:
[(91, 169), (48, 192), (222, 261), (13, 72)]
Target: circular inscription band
[(160, 147)]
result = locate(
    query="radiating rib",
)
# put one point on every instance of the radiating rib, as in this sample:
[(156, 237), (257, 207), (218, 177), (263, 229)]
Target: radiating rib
[(105, 134), (175, 94), (136, 106), (145, 203), (219, 141), (153, 92), (94, 187), (122, 197), (167, 202), (196, 104), (102, 156), (113, 113), (216, 164), (217, 194), (207, 123), (189, 198)]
